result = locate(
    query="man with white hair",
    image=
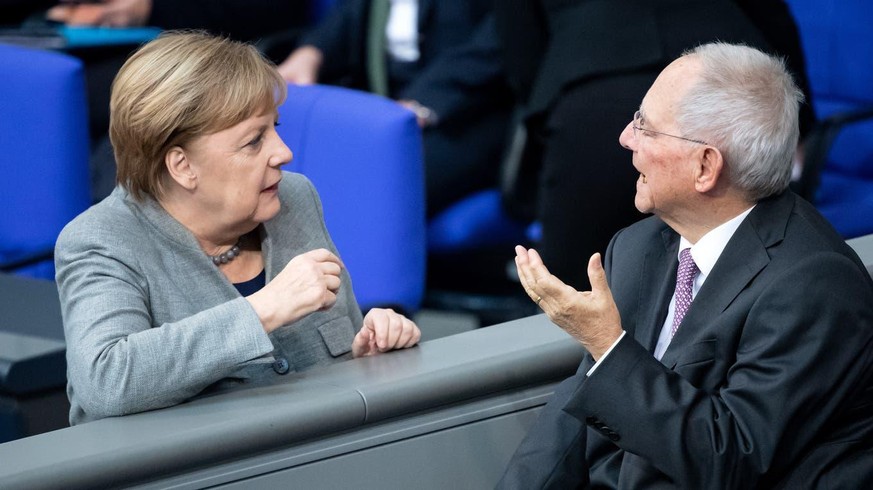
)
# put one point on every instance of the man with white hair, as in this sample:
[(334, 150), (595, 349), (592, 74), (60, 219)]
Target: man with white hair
[(729, 336)]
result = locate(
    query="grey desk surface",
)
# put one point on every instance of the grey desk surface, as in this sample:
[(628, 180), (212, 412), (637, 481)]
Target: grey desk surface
[(313, 404)]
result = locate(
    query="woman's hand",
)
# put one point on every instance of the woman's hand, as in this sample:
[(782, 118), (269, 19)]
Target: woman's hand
[(384, 330), (308, 283)]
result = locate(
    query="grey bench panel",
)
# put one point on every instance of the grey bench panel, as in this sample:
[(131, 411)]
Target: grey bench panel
[(116, 451), (359, 458), (451, 369), (314, 404)]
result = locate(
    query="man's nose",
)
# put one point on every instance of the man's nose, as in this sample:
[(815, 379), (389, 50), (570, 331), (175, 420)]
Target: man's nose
[(626, 139)]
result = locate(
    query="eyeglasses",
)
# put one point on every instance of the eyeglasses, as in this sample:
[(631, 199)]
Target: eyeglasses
[(636, 126)]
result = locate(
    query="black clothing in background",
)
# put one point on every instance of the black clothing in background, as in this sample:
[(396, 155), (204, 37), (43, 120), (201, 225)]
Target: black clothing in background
[(243, 20), (458, 75)]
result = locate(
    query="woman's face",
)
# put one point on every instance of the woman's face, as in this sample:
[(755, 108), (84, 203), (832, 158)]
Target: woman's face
[(237, 172)]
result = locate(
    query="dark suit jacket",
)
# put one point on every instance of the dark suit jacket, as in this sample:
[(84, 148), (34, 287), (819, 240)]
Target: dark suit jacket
[(459, 72), (768, 382)]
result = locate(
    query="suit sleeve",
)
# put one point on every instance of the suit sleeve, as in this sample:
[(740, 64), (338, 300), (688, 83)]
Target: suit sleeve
[(117, 363), (465, 79), (340, 38), (793, 367)]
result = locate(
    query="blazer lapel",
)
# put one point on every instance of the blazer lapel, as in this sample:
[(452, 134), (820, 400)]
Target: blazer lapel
[(272, 265), (658, 279), (741, 261)]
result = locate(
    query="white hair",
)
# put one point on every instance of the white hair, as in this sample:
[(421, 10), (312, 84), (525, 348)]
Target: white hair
[(745, 103)]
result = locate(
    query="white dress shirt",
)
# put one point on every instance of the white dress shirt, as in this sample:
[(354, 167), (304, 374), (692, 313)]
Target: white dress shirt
[(401, 31), (705, 253)]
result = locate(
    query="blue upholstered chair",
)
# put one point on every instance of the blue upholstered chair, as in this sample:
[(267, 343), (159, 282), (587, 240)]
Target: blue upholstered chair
[(43, 155), (363, 154), (476, 222), (838, 167)]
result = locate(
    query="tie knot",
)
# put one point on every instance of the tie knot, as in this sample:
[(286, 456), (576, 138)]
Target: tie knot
[(687, 268)]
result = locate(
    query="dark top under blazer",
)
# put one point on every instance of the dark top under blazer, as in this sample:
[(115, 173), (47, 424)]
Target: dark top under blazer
[(768, 382)]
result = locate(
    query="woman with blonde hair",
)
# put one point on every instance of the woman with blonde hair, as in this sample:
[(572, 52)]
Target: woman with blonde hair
[(208, 267)]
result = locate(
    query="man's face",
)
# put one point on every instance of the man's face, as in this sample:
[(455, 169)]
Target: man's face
[(664, 161)]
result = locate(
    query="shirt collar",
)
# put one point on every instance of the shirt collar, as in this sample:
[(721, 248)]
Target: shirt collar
[(708, 249)]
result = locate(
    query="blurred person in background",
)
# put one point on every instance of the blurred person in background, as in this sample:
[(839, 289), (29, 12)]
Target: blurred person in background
[(438, 58)]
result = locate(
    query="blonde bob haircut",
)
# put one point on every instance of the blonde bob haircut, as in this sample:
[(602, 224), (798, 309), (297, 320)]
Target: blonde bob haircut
[(182, 85)]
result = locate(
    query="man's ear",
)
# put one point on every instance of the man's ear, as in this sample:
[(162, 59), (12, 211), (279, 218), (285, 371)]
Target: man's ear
[(179, 168), (710, 169)]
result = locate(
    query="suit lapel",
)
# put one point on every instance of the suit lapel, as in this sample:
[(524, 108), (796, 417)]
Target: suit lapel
[(658, 279), (741, 261)]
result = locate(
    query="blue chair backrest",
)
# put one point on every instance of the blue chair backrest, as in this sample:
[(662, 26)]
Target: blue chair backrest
[(43, 152), (838, 44), (363, 154)]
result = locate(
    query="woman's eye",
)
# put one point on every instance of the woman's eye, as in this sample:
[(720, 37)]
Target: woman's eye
[(256, 141)]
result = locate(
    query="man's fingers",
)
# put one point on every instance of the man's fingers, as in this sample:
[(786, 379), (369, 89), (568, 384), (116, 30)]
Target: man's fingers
[(525, 275), (596, 275)]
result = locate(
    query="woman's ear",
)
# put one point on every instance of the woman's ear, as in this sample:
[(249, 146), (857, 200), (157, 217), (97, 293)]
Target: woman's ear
[(709, 169), (179, 168)]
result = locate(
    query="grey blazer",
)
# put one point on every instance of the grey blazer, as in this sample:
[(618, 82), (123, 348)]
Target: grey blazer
[(150, 321)]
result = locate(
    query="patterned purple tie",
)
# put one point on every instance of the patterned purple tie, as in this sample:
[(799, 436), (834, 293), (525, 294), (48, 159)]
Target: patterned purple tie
[(685, 275)]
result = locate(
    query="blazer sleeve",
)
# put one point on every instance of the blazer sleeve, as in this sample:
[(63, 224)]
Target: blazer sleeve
[(340, 37), (791, 372), (464, 79), (117, 363)]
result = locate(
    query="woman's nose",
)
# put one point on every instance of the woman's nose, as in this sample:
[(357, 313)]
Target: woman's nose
[(282, 154)]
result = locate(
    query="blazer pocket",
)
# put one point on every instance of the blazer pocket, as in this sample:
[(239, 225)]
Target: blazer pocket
[(338, 335), (698, 352), (700, 366)]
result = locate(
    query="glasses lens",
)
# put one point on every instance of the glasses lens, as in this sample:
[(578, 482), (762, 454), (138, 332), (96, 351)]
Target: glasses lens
[(636, 122)]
